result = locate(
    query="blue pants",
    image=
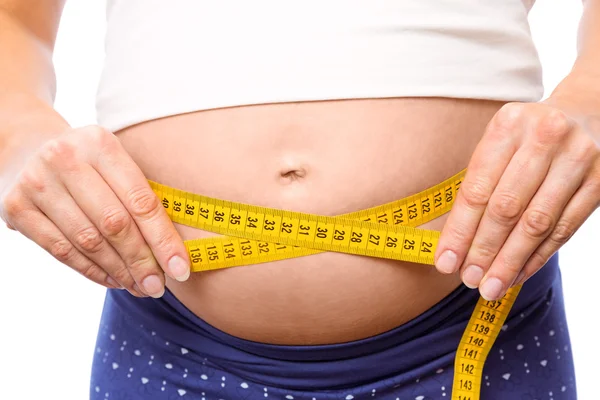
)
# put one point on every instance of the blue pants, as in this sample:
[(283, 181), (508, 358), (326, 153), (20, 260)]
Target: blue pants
[(157, 349)]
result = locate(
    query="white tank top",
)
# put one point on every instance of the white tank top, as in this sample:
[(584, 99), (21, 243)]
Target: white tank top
[(171, 57)]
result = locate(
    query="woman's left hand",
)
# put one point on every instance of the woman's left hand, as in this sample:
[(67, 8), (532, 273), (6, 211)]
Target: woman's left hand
[(531, 183)]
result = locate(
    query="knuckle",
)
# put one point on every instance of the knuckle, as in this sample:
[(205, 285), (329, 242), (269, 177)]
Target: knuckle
[(552, 127), (164, 241), (99, 134), (58, 152), (584, 152), (123, 276), (510, 266), (476, 193), (562, 232), (482, 251), (143, 202), (115, 223), (62, 250), (538, 260), (508, 118), (556, 121), (12, 204), (102, 138), (89, 240), (91, 271), (142, 263), (32, 181), (505, 208), (537, 223), (458, 234)]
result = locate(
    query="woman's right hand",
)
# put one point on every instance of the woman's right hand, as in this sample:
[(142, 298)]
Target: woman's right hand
[(82, 198)]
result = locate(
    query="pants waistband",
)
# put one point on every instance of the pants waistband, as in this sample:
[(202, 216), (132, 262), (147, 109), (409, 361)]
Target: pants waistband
[(424, 344)]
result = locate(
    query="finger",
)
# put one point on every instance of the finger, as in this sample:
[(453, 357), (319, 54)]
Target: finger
[(3, 218), (114, 223), (52, 198), (36, 226), (518, 185), (22, 215), (133, 190), (563, 180), (532, 229), (484, 171), (583, 203), (57, 204)]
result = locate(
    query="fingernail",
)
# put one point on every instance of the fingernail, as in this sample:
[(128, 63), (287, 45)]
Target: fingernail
[(472, 276), (446, 263), (491, 289), (153, 286), (520, 278), (179, 268), (114, 284)]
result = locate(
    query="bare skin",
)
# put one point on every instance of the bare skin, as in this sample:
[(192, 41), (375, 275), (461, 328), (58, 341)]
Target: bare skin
[(324, 158), (82, 193)]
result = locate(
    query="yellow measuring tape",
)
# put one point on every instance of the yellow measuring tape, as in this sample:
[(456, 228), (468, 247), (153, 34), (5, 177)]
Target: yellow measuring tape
[(260, 234)]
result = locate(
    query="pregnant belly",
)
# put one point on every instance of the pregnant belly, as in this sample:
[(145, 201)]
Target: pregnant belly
[(325, 158)]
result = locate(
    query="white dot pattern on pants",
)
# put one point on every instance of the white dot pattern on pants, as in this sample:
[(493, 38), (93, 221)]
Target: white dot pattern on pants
[(149, 363)]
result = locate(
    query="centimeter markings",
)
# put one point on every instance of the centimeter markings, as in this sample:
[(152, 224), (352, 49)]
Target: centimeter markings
[(478, 338), (263, 234), (260, 234)]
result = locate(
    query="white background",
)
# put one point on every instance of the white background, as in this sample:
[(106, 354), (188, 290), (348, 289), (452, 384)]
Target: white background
[(49, 314)]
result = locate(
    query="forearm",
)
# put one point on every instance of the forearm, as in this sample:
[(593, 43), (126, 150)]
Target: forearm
[(579, 92), (27, 83)]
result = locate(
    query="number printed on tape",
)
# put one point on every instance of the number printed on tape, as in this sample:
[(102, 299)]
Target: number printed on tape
[(258, 234)]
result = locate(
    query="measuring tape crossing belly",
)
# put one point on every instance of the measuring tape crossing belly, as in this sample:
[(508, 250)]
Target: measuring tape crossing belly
[(259, 234)]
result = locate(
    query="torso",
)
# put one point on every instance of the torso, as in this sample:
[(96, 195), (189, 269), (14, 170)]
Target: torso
[(329, 158)]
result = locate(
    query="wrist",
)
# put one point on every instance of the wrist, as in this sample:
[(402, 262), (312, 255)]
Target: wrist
[(26, 123), (23, 118), (578, 94)]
